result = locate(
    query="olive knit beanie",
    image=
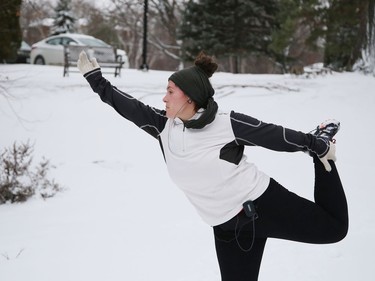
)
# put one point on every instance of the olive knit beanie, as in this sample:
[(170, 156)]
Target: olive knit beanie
[(194, 82)]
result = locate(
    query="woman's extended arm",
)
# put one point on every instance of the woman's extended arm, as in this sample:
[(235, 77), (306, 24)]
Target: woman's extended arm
[(145, 117), (250, 131)]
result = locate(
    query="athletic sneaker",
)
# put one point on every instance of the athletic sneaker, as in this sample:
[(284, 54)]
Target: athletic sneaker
[(327, 130)]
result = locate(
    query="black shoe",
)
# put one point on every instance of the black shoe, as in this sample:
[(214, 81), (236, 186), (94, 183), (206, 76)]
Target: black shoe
[(327, 130)]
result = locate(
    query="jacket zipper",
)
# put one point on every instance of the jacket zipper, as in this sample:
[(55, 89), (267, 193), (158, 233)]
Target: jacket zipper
[(183, 138)]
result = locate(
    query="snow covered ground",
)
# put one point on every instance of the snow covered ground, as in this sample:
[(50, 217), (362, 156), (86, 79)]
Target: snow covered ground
[(121, 218)]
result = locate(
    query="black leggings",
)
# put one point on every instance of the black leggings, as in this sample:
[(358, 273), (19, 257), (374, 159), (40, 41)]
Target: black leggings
[(282, 214)]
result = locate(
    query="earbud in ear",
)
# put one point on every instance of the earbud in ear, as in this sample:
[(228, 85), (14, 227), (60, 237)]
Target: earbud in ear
[(189, 101)]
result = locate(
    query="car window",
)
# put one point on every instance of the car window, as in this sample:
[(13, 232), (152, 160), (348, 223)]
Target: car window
[(93, 42), (67, 41), (54, 41)]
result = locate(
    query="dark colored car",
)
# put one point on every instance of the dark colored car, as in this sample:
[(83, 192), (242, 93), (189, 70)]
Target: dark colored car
[(23, 54)]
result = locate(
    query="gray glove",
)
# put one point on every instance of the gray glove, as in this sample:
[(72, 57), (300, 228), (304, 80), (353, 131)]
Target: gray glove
[(331, 155), (84, 65)]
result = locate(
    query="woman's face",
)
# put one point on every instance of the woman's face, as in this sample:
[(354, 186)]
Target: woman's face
[(177, 104)]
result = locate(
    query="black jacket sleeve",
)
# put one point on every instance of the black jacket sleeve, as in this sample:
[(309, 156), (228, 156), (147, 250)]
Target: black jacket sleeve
[(250, 131), (147, 118)]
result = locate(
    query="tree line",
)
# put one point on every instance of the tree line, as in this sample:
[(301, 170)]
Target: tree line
[(245, 36)]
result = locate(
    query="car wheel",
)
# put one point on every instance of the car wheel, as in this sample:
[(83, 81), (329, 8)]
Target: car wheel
[(39, 60)]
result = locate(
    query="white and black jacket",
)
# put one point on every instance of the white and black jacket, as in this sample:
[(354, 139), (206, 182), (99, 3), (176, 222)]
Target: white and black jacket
[(208, 164)]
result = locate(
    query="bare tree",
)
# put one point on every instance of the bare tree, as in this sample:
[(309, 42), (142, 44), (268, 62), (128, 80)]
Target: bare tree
[(366, 62), (162, 25), (34, 19), (166, 14), (128, 16), (369, 51)]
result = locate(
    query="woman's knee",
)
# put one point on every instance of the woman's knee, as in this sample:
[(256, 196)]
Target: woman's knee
[(339, 233), (343, 232)]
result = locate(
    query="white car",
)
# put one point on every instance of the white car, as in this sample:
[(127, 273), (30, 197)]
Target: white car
[(51, 50)]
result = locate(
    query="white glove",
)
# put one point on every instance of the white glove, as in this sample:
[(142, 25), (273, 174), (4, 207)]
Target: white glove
[(84, 65), (331, 155)]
